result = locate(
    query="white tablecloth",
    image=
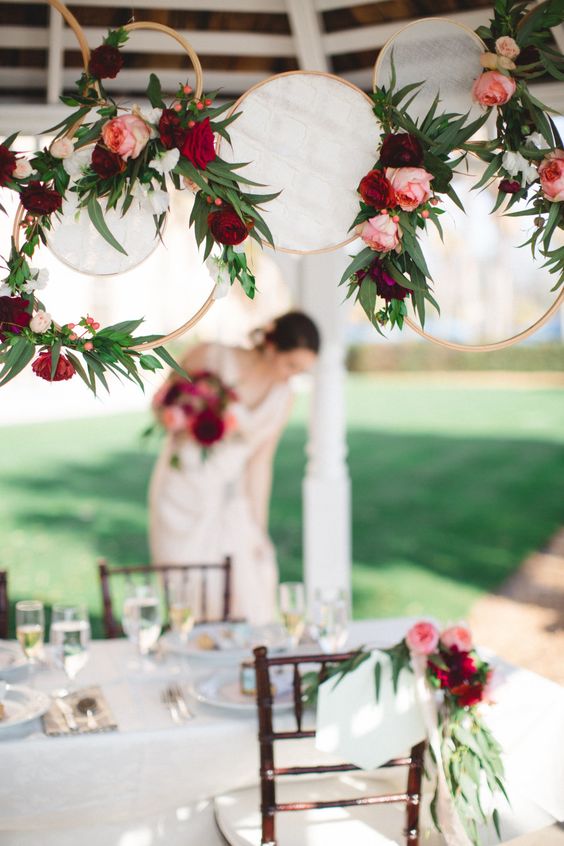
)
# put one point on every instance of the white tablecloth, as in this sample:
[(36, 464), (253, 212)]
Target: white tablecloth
[(150, 782)]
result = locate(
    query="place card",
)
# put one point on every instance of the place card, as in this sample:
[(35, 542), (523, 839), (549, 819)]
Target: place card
[(66, 718)]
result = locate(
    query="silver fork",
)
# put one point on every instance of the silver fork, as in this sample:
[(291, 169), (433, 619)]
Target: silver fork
[(168, 700), (176, 694)]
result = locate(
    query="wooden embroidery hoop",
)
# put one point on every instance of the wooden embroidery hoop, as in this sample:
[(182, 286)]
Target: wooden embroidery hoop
[(198, 88), (452, 345)]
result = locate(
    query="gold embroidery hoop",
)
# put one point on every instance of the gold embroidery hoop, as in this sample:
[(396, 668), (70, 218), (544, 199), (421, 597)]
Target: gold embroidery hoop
[(442, 342), (198, 88)]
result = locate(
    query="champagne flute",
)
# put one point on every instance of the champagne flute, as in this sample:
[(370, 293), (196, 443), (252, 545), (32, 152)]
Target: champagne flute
[(329, 618), (70, 638), (30, 628), (181, 606), (141, 618), (291, 597)]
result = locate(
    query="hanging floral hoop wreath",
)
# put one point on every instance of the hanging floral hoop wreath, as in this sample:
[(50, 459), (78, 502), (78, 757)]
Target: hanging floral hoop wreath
[(400, 194), (133, 152)]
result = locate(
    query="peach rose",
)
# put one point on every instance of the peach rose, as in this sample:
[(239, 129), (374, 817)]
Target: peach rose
[(422, 638), (458, 636), (126, 136), (488, 60), (493, 89), (551, 172), (381, 233), (62, 148), (507, 46), (412, 186), (173, 418)]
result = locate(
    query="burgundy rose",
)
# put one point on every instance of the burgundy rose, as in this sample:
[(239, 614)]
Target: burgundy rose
[(198, 145), (401, 150), (468, 694), (105, 62), (7, 165), (170, 130), (528, 56), (42, 367), (386, 286), (208, 427), (105, 163), (13, 315), (227, 227), (509, 186), (376, 190), (38, 199)]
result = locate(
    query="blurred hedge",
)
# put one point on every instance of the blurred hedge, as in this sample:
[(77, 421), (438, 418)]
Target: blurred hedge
[(367, 358)]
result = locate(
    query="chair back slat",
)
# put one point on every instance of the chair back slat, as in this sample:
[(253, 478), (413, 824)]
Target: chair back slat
[(165, 571), (267, 736), (4, 605)]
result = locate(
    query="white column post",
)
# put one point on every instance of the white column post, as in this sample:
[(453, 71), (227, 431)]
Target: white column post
[(326, 487), (55, 57)]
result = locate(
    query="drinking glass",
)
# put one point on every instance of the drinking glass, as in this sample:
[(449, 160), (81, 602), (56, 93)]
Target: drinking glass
[(141, 618), (30, 628), (181, 606), (70, 638), (329, 618), (291, 597)]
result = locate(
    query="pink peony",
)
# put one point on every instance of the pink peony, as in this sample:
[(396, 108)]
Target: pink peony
[(493, 89), (458, 636), (173, 418), (126, 136), (412, 186), (507, 46), (422, 638), (381, 233), (551, 172)]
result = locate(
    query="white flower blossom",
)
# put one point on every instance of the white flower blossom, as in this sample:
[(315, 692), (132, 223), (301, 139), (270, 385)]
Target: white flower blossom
[(38, 280), (150, 116), (535, 139), (5, 290), (40, 322), (159, 201), (515, 164), (76, 164), (219, 272), (165, 163)]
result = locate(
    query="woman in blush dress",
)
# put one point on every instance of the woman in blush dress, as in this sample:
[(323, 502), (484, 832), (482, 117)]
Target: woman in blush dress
[(205, 506)]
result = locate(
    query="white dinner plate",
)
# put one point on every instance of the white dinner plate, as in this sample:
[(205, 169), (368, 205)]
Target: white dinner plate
[(21, 704), (220, 643), (11, 657), (222, 690)]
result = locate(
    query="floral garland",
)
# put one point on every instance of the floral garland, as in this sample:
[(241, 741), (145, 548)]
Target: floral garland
[(117, 158), (417, 160), (470, 755), (199, 408)]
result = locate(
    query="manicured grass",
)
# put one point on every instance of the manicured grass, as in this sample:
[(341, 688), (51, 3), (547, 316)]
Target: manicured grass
[(452, 488)]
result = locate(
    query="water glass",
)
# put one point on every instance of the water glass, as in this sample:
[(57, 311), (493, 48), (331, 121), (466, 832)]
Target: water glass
[(329, 618), (70, 637), (141, 618), (292, 603), (30, 628)]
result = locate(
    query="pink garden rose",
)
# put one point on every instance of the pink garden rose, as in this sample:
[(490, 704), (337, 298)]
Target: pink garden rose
[(126, 136), (412, 186), (551, 172), (381, 233), (422, 638), (173, 418), (507, 46), (458, 636), (493, 89)]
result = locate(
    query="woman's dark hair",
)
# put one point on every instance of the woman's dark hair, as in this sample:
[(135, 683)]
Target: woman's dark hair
[(293, 331)]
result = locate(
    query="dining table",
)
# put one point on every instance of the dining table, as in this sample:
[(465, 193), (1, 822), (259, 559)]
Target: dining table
[(153, 779)]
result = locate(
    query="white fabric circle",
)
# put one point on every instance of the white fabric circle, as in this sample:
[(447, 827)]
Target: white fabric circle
[(441, 54), (313, 136), (75, 240)]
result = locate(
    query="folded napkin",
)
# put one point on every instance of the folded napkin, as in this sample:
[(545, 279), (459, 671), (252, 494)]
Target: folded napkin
[(56, 723)]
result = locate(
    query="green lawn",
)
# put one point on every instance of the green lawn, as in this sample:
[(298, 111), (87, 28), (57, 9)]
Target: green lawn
[(452, 488)]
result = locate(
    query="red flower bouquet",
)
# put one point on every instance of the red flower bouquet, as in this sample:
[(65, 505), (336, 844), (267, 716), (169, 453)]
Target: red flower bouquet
[(198, 408)]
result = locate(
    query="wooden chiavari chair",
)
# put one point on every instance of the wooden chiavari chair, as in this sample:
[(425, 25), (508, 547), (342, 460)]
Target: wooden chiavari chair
[(234, 815), (113, 629), (4, 607)]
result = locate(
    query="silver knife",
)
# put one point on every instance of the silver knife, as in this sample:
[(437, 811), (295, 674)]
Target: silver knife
[(67, 713)]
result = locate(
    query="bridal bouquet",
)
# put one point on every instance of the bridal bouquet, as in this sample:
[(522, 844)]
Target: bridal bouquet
[(198, 408)]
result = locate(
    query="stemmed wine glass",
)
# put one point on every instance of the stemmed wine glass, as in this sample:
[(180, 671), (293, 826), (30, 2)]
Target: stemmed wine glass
[(30, 629), (292, 602), (329, 618), (181, 606), (141, 618), (70, 638)]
